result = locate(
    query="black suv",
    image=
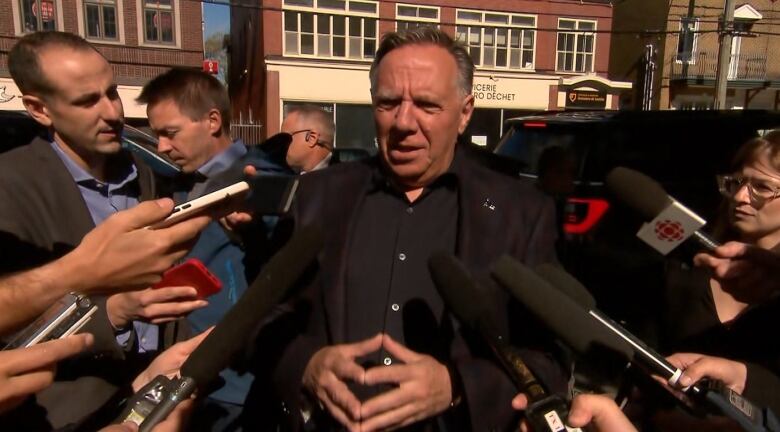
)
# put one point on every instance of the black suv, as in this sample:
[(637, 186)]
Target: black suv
[(683, 150)]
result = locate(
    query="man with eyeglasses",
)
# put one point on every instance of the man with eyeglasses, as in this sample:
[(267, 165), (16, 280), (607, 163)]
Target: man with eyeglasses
[(312, 131)]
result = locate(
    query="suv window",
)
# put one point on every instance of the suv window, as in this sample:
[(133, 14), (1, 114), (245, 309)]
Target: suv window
[(18, 129)]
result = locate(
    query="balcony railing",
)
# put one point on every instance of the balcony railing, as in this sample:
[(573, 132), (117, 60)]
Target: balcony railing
[(704, 65)]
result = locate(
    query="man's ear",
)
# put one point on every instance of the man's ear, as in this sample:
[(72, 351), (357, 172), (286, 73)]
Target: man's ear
[(465, 113), (314, 138), (37, 109), (215, 121)]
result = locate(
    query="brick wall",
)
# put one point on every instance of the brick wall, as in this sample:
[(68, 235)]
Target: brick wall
[(133, 64), (547, 13)]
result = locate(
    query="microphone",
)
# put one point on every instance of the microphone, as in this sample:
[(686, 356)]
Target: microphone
[(568, 319), (156, 400), (669, 222), (467, 302)]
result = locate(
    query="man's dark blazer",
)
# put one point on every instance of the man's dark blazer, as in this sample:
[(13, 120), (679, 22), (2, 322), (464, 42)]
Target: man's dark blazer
[(498, 215), (42, 217)]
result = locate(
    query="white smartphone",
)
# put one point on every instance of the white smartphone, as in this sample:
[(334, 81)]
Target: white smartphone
[(218, 203)]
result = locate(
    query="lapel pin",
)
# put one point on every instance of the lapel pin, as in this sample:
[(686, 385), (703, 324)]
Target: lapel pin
[(489, 204)]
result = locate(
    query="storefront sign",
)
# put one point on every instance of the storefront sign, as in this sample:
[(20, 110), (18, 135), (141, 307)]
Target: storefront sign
[(492, 92), (586, 99)]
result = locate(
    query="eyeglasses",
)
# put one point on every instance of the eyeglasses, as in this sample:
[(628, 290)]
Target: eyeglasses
[(759, 191), (308, 137), (308, 133)]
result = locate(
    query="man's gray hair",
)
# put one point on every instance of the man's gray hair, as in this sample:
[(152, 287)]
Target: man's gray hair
[(423, 36)]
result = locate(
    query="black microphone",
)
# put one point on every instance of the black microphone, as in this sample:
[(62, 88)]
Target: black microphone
[(467, 302), (648, 198), (229, 336), (568, 319)]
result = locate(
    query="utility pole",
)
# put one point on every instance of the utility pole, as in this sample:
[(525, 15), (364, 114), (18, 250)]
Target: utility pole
[(724, 54), (647, 85)]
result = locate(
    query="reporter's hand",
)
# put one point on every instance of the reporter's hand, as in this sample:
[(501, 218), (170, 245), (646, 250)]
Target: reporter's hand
[(236, 219), (746, 272), (175, 422), (169, 361), (25, 371), (733, 374), (598, 412), (424, 389), (326, 374), (122, 254), (154, 305)]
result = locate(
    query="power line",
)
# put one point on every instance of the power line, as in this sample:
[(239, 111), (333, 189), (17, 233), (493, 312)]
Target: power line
[(640, 32), (643, 32)]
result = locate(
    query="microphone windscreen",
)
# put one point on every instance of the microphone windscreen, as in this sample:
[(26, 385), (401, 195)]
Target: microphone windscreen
[(230, 335), (638, 191), (456, 288), (567, 284), (568, 320)]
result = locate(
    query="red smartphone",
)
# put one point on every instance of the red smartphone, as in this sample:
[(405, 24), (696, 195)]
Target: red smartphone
[(191, 273)]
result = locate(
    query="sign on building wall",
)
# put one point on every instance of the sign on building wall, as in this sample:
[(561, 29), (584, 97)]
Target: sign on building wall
[(506, 92), (492, 92), (211, 67), (586, 99)]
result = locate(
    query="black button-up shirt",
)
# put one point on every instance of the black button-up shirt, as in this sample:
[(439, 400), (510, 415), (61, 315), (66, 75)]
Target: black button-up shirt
[(389, 287)]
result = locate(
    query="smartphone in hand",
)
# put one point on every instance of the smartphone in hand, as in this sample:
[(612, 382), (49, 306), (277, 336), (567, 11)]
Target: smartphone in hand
[(218, 204), (191, 273)]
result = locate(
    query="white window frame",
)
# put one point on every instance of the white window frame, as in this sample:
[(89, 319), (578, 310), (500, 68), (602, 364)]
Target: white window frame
[(481, 24), (120, 16), (16, 12), (348, 15), (695, 44), (141, 20), (577, 34), (418, 19)]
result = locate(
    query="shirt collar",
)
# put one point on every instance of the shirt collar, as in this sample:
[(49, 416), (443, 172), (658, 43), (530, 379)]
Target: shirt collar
[(380, 179), (322, 164), (126, 174), (224, 160)]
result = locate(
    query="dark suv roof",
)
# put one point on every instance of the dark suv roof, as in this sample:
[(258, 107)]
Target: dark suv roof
[(670, 146)]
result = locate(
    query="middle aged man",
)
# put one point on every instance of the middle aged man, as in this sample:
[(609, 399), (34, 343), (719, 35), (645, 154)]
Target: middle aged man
[(372, 345), (312, 131), (55, 191)]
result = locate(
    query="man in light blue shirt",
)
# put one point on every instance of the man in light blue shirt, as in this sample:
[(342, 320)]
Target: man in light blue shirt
[(70, 183), (189, 111)]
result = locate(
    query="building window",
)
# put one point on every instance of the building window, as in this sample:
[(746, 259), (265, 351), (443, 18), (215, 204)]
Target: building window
[(330, 28), (686, 40), (158, 21), (38, 15), (413, 16), (100, 19), (576, 45), (497, 40)]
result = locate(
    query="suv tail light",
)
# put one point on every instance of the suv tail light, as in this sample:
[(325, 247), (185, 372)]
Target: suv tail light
[(582, 214)]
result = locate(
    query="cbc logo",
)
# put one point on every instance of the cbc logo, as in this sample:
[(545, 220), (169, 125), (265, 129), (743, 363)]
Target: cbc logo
[(668, 230)]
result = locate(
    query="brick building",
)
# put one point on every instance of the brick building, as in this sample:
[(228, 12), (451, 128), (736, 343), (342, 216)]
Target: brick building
[(140, 38), (684, 45), (531, 55)]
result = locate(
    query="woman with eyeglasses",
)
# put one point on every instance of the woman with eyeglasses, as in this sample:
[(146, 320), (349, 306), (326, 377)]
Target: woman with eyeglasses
[(718, 317)]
